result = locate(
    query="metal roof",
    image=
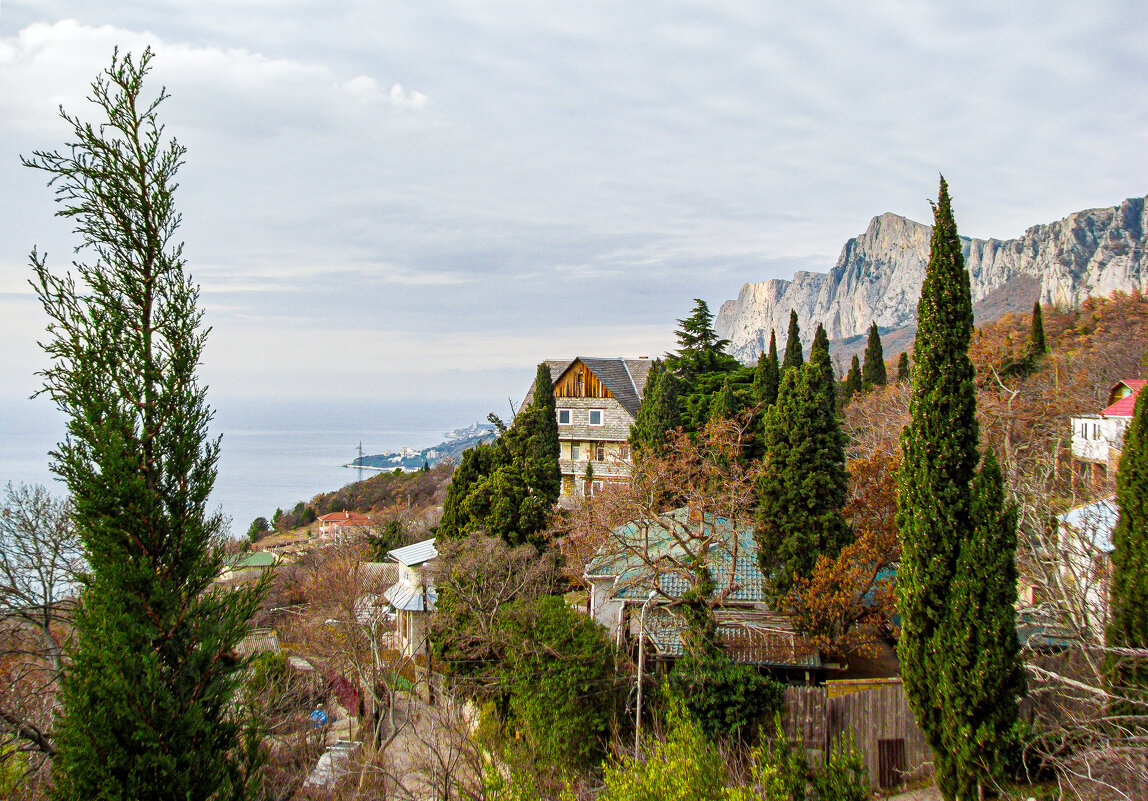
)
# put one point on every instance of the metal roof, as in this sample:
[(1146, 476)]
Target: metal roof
[(747, 636), (1096, 521), (258, 641), (406, 598), (414, 555)]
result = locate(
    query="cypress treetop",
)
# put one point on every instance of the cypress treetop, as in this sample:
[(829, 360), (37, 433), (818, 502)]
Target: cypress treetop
[(793, 355), (1037, 346), (660, 410), (873, 374), (903, 369), (767, 374), (853, 383)]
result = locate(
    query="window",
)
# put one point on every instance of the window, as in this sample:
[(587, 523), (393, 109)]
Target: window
[(563, 417), (624, 453), (600, 452), (575, 451), (595, 417)]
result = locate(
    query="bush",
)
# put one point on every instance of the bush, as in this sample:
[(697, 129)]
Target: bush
[(727, 699)]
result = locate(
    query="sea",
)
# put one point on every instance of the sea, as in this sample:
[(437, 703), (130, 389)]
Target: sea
[(273, 452)]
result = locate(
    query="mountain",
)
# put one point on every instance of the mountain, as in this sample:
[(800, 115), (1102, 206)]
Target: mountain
[(878, 278)]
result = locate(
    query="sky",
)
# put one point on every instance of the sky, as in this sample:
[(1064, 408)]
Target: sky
[(421, 200)]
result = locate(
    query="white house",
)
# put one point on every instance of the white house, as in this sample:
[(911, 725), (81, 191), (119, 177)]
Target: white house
[(1084, 542), (413, 596), (1098, 439)]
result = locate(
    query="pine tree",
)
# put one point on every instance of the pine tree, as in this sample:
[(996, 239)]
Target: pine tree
[(147, 702), (1037, 346), (948, 520), (874, 373), (853, 383), (793, 356), (904, 372), (767, 374), (1128, 593), (700, 349), (660, 411), (801, 495)]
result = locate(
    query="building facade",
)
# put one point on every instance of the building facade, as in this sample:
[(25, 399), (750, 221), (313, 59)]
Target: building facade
[(1098, 439), (596, 402)]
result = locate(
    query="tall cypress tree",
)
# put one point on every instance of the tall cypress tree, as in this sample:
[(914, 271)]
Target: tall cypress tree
[(853, 382), (1128, 594), (793, 356), (943, 517), (147, 707), (767, 374), (903, 369), (661, 410), (1037, 346), (801, 494), (724, 405), (873, 375)]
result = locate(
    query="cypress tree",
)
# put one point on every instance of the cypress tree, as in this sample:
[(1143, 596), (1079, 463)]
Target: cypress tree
[(1037, 346), (147, 700), (1128, 593), (793, 356), (801, 495), (874, 373), (724, 405), (980, 702), (767, 374), (944, 516), (853, 382), (903, 369), (660, 411)]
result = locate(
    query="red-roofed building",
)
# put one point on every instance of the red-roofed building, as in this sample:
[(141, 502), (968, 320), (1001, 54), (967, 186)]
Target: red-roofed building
[(1098, 439), (338, 523)]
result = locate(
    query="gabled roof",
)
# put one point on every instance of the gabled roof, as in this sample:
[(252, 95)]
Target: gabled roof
[(634, 546), (1096, 520), (1123, 407), (625, 378), (346, 519), (414, 555)]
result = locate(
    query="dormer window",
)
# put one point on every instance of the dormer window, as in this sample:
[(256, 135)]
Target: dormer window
[(563, 417), (596, 417)]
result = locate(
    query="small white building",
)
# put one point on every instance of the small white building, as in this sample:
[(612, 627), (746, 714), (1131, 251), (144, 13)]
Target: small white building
[(1084, 541), (413, 596), (1098, 439)]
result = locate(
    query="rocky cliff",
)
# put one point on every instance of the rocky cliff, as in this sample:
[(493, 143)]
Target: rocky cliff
[(879, 274)]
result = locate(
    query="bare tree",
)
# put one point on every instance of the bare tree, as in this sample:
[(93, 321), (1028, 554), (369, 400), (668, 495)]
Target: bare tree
[(40, 559)]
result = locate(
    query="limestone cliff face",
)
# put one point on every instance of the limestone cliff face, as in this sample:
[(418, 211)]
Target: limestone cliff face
[(879, 274)]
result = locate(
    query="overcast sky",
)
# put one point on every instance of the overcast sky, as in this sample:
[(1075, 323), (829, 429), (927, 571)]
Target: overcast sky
[(424, 199)]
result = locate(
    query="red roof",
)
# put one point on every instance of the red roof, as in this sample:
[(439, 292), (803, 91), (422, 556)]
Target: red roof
[(1124, 406), (345, 519)]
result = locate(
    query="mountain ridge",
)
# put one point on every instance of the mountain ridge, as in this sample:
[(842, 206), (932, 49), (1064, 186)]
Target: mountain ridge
[(878, 276)]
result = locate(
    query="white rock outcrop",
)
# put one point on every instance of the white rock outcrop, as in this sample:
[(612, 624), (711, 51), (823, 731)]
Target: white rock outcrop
[(879, 274)]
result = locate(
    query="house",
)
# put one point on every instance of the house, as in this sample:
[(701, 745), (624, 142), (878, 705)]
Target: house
[(337, 524), (1098, 439), (596, 402), (1085, 545), (638, 579), (247, 565), (413, 596)]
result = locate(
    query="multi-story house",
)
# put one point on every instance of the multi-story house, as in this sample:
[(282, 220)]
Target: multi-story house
[(1098, 439), (597, 401)]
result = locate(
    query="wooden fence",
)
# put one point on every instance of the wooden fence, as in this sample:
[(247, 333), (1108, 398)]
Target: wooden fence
[(877, 716)]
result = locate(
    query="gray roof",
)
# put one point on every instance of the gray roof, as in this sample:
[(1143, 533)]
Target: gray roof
[(258, 641), (746, 635), (625, 378), (414, 555), (1096, 521), (410, 599)]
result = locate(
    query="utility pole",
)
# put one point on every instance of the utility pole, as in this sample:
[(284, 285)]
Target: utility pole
[(641, 663)]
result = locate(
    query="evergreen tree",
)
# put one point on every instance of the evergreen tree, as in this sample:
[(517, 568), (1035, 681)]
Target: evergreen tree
[(948, 521), (1128, 594), (874, 373), (660, 410), (767, 374), (801, 495), (700, 349), (509, 487), (148, 699), (904, 372), (1037, 346), (793, 356), (853, 383), (724, 405)]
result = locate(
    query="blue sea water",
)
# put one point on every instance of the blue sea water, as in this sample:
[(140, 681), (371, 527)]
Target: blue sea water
[(273, 453)]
